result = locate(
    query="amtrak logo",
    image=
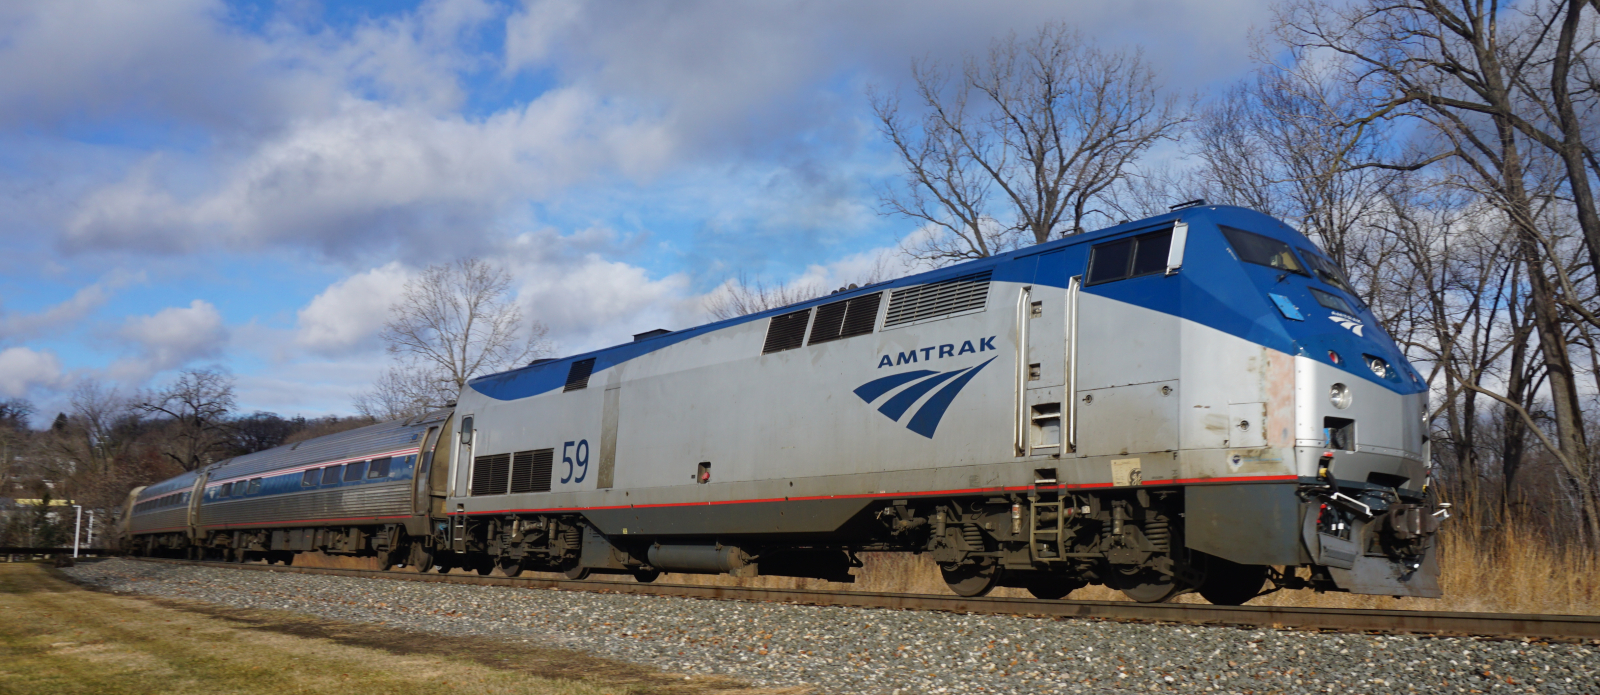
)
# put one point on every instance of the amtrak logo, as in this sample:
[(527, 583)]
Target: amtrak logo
[(921, 381), (1345, 321)]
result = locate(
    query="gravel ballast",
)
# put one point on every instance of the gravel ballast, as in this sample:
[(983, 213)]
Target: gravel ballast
[(849, 650)]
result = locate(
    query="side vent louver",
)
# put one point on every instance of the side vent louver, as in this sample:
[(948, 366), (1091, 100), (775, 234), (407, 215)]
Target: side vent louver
[(786, 332), (490, 474), (937, 299), (578, 375), (530, 470), (854, 316)]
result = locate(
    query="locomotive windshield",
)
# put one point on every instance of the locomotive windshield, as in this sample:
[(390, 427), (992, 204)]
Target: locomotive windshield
[(1331, 301), (1263, 250), (1327, 270)]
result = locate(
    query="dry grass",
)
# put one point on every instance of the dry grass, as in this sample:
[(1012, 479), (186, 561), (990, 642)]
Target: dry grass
[(1507, 570), (59, 639)]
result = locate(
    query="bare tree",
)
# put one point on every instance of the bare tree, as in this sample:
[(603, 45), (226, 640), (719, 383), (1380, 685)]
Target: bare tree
[(1046, 126), (14, 414), (1455, 69), (97, 412), (404, 391), (1274, 143), (198, 404), (453, 322)]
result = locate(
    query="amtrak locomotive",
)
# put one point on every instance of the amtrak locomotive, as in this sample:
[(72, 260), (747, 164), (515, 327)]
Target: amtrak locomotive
[(1191, 402)]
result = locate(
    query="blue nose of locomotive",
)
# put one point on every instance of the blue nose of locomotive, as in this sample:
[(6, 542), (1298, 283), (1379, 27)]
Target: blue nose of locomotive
[(1253, 276)]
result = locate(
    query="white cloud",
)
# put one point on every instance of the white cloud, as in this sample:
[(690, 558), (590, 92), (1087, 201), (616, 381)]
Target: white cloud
[(169, 339), (64, 315), (369, 177), (22, 368), (348, 315)]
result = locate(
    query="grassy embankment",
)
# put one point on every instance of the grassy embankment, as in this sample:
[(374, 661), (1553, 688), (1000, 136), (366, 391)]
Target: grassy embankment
[(59, 639), (1506, 570)]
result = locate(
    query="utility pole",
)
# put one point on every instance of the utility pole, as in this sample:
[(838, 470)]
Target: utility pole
[(77, 528)]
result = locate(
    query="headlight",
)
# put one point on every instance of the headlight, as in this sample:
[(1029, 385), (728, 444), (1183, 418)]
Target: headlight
[(1379, 367), (1339, 396)]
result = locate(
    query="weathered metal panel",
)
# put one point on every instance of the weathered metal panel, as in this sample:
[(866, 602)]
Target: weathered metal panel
[(1248, 524), (1128, 419)]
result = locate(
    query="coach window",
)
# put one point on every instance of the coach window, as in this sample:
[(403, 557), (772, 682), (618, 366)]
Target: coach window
[(1133, 257), (1263, 250), (354, 471), (330, 475), (227, 489), (379, 468), (309, 478), (255, 487)]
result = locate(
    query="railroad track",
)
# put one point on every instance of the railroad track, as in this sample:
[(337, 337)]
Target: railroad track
[(1568, 628)]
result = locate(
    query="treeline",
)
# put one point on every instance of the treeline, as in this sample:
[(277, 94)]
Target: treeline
[(108, 443)]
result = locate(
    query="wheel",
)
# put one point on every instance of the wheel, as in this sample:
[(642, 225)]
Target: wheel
[(420, 559), (644, 576), (388, 559), (1146, 586), (484, 566), (574, 572), (972, 579), (510, 567), (288, 557), (1229, 583), (1052, 588), (237, 555)]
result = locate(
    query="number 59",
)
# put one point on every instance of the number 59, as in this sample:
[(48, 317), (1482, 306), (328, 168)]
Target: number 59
[(582, 461)]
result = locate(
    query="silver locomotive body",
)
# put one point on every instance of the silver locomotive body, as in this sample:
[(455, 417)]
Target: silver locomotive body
[(1139, 407)]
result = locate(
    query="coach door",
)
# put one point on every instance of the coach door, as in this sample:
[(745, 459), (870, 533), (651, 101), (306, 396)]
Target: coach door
[(1043, 370)]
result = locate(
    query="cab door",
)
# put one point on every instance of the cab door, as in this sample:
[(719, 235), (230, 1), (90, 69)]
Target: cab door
[(1127, 364)]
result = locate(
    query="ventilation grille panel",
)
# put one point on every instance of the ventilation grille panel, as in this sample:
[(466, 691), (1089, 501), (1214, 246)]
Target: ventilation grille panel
[(786, 331), (490, 474), (530, 470), (934, 300), (578, 375), (854, 316)]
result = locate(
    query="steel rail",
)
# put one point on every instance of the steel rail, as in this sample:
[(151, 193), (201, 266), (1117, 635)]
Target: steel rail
[(1439, 623)]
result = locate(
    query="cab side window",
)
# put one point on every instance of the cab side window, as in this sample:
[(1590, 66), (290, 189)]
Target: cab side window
[(1132, 257)]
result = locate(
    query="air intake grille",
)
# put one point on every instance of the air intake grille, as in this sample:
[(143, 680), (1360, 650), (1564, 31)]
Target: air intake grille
[(490, 473), (933, 300), (578, 375), (855, 316), (530, 470), (787, 331)]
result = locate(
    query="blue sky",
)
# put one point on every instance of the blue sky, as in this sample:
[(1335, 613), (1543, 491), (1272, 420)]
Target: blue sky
[(248, 185)]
